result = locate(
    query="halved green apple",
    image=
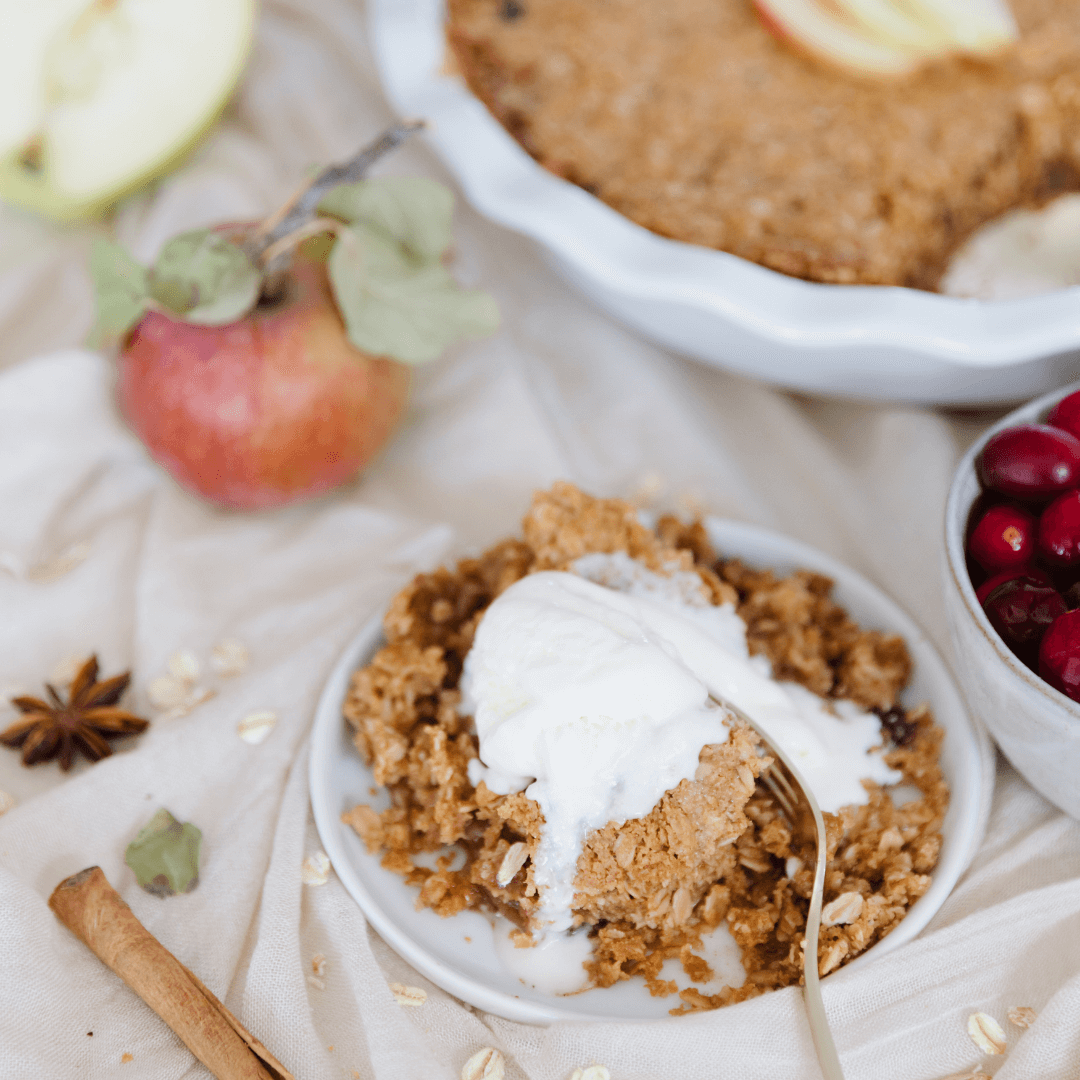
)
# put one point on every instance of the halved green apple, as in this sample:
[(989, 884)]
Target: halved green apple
[(890, 37), (101, 96)]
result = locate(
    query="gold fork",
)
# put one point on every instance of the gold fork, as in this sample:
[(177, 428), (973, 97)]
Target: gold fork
[(787, 795)]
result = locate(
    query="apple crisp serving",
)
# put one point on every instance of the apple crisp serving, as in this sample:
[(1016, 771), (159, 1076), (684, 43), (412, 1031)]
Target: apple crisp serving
[(715, 849), (692, 120)]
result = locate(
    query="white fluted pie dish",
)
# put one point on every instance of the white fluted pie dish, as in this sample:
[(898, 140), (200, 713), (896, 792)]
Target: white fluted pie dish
[(851, 341)]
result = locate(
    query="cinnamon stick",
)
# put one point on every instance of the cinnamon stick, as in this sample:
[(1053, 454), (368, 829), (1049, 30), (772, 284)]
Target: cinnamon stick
[(93, 910)]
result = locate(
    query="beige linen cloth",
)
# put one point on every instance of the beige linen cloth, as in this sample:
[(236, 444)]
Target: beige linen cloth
[(560, 392)]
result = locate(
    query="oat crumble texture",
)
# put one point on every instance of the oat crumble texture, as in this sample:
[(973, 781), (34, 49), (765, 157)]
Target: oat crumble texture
[(693, 121), (715, 848)]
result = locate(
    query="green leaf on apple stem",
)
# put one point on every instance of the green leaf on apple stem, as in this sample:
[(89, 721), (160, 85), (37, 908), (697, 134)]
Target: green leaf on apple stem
[(412, 211), (204, 278), (395, 304), (165, 855), (120, 290)]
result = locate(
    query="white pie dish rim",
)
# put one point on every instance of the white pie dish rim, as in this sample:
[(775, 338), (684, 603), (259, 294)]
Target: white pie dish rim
[(439, 950), (847, 340)]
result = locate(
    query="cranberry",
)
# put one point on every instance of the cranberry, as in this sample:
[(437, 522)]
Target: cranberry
[(1059, 655), (1059, 530), (1003, 539), (1020, 611), (1030, 574), (1066, 414), (1031, 462)]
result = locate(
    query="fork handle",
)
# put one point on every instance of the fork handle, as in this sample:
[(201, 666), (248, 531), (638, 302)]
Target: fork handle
[(815, 1006)]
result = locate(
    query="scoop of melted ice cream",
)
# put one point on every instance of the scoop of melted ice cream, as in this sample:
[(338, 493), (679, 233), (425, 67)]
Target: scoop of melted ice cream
[(595, 700)]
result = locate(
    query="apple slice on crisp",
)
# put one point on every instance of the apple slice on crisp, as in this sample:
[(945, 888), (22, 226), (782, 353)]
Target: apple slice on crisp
[(807, 24), (891, 24), (971, 26), (889, 37), (102, 95)]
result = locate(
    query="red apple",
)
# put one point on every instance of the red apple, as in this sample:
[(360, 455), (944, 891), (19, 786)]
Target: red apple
[(275, 407)]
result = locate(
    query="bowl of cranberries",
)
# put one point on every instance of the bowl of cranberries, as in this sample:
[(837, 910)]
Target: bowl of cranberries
[(1012, 540)]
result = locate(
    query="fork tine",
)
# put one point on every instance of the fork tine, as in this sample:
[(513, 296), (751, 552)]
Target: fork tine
[(771, 776), (792, 793), (786, 795)]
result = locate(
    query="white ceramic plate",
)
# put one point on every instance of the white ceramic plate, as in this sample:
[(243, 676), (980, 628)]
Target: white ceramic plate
[(458, 953), (851, 341)]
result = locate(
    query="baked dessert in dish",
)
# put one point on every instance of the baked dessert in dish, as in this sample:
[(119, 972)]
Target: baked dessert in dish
[(693, 121), (552, 755)]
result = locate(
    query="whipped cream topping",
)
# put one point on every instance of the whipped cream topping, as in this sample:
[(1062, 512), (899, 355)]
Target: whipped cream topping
[(594, 700), (1022, 253), (579, 703)]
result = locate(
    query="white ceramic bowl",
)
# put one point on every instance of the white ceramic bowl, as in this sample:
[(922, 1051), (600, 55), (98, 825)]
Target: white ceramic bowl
[(851, 341), (458, 953), (1036, 726)]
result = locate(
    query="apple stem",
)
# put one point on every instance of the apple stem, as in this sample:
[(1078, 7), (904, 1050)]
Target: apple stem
[(273, 242), (298, 236), (301, 206)]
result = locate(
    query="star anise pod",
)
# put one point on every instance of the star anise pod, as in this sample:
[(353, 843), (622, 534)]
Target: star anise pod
[(58, 728)]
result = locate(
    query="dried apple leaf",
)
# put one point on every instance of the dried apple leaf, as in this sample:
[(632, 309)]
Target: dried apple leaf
[(165, 855), (204, 278), (396, 305), (121, 292), (411, 210)]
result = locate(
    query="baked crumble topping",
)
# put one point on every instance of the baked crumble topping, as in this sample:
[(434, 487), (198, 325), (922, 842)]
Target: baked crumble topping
[(693, 121), (715, 849)]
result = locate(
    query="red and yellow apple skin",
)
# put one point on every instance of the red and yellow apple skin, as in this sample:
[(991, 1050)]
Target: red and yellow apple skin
[(272, 409)]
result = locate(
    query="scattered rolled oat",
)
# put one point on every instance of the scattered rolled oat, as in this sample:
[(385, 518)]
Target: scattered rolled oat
[(229, 657), (593, 1072), (316, 982), (175, 693), (316, 869), (690, 505), (166, 692), (486, 1064), (195, 698), (986, 1033), (649, 488), (256, 726), (413, 996), (184, 665), (53, 569), (1022, 1016), (7, 801), (846, 908), (512, 862), (318, 964)]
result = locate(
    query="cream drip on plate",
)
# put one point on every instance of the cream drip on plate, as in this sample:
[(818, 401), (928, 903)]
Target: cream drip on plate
[(595, 700)]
